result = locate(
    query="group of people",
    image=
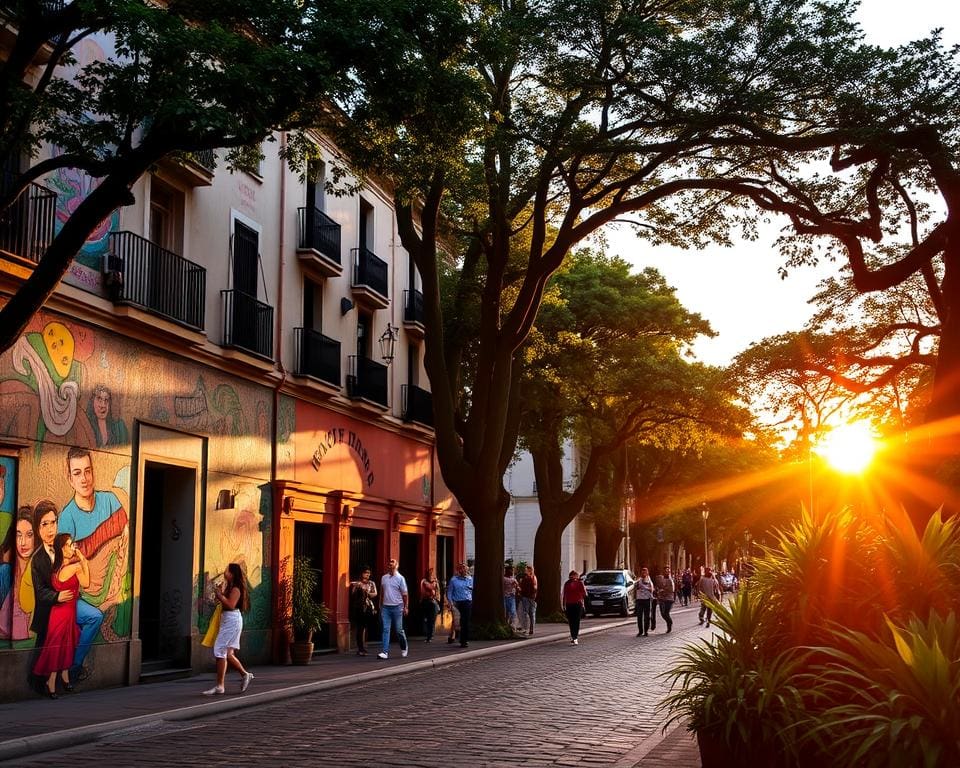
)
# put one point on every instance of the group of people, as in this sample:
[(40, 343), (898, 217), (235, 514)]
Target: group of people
[(520, 599), (394, 606), (663, 590)]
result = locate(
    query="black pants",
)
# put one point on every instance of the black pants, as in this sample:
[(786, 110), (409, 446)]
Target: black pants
[(574, 611), (363, 626), (704, 608), (465, 607), (653, 614), (665, 606), (429, 610), (643, 615)]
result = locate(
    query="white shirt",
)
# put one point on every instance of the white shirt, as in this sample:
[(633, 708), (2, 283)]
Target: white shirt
[(392, 589)]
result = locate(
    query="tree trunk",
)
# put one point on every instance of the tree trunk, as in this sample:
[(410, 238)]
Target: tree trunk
[(546, 559), (608, 542), (488, 562)]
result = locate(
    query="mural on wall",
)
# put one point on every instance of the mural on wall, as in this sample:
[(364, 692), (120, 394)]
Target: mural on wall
[(75, 394), (9, 545), (72, 186)]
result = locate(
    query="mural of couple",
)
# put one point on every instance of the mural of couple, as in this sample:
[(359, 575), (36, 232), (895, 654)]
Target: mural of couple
[(63, 575)]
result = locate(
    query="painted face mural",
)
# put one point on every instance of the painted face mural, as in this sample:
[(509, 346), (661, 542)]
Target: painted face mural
[(59, 345)]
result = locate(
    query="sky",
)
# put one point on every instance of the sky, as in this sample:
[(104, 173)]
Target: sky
[(738, 289)]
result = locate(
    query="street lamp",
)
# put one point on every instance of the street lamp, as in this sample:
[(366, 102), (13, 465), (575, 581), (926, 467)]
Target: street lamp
[(627, 514), (705, 511), (388, 343)]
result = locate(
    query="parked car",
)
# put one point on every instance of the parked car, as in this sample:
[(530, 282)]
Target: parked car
[(610, 591)]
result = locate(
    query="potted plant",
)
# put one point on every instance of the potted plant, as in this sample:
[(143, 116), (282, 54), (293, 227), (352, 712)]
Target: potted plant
[(745, 706), (307, 614)]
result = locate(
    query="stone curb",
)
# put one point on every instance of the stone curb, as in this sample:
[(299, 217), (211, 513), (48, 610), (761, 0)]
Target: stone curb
[(47, 742)]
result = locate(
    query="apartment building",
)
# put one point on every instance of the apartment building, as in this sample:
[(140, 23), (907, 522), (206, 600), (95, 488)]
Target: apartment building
[(231, 371)]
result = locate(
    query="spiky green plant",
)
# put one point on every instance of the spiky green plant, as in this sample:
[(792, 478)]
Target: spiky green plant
[(730, 687), (896, 700)]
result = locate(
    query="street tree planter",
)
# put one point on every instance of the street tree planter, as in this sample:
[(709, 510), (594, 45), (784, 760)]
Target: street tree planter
[(307, 614)]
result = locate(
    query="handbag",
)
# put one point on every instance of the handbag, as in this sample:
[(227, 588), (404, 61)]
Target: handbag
[(210, 638)]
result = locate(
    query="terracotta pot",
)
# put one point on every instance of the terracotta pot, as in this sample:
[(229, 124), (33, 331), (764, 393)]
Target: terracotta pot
[(301, 652), (714, 752)]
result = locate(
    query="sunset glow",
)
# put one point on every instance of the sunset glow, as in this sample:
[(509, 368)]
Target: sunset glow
[(849, 448)]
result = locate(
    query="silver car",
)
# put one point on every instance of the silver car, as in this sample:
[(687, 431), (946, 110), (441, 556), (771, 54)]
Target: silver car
[(610, 591)]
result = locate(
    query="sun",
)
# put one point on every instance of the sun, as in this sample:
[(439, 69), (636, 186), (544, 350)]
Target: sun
[(849, 448)]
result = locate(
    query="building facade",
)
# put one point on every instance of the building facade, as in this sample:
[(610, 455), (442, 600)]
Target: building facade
[(579, 541), (231, 371)]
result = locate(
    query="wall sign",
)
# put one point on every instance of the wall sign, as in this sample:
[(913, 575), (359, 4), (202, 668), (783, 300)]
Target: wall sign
[(338, 436)]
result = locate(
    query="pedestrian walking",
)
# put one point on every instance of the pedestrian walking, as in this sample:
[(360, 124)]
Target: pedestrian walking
[(460, 593), (363, 609), (666, 594), (394, 605), (234, 597), (686, 586), (429, 607), (574, 604), (528, 600), (510, 589), (643, 593), (709, 590), (653, 602)]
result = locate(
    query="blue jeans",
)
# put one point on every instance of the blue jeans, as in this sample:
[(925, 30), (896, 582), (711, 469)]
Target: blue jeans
[(392, 616), (510, 609), (89, 620)]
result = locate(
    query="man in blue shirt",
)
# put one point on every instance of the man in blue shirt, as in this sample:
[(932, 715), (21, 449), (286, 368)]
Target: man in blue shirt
[(460, 593)]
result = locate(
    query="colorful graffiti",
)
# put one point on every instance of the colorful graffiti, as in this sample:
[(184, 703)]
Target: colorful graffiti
[(73, 395)]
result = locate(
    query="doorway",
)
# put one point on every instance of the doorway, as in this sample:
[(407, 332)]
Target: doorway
[(366, 551), (311, 540), (412, 568), (166, 566)]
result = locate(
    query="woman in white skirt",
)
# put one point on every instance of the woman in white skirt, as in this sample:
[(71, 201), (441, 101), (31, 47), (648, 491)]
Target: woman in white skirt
[(235, 598)]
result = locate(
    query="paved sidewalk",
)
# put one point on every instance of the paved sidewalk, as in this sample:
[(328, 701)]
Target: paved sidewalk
[(39, 725)]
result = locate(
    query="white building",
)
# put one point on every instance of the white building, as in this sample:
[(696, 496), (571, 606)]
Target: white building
[(578, 544)]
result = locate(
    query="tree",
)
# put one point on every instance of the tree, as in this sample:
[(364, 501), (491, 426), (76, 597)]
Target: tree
[(520, 129), (187, 75), (604, 364)]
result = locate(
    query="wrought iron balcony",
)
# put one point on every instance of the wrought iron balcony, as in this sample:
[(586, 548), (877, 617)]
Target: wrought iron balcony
[(27, 225), (205, 158), (317, 355), (247, 323), (413, 306), (141, 273), (318, 244), (367, 380), (370, 278), (417, 405)]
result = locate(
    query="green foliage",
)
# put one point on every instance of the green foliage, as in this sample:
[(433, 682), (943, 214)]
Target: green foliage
[(894, 699), (846, 639), (496, 630), (307, 613), (727, 686)]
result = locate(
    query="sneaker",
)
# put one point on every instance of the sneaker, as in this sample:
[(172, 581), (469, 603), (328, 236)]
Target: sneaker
[(708, 623), (382, 655), (669, 627), (217, 690), (639, 634), (701, 621), (404, 652), (572, 641), (576, 642), (451, 640), (245, 683), (530, 633)]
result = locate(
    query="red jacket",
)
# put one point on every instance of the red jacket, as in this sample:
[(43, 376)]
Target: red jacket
[(574, 592)]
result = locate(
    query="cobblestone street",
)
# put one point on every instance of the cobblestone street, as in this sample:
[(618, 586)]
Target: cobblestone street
[(553, 704)]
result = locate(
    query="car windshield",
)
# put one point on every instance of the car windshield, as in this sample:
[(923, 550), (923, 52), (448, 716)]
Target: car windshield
[(604, 578)]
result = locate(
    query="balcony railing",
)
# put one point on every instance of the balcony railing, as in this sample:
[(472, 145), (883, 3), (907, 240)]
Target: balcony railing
[(27, 225), (205, 158), (413, 306), (370, 271), (317, 355), (367, 380), (247, 323), (319, 232), (148, 276), (417, 404)]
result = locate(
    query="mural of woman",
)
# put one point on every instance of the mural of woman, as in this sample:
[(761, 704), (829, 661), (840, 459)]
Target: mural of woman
[(14, 620), (107, 430), (70, 572)]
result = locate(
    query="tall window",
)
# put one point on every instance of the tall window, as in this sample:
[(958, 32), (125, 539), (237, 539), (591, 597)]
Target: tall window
[(364, 325), (316, 176), (166, 216), (246, 246), (312, 305), (366, 225)]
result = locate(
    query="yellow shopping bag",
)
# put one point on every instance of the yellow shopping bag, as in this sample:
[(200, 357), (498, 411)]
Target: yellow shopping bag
[(211, 637)]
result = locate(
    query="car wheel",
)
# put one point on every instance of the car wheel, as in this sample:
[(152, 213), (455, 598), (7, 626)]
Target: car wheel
[(624, 611)]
